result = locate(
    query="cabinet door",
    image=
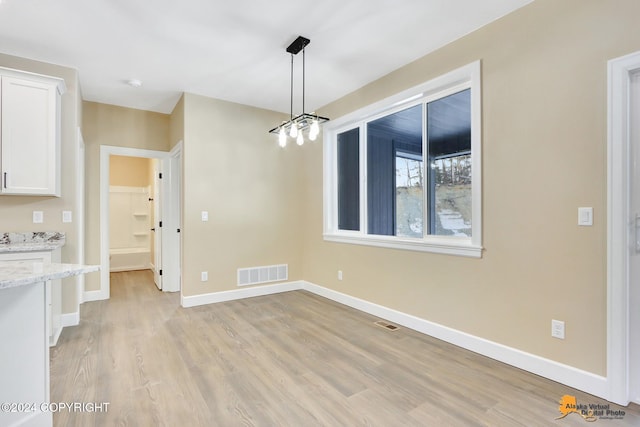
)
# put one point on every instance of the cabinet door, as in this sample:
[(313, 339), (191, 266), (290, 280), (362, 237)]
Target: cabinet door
[(29, 144), (53, 295)]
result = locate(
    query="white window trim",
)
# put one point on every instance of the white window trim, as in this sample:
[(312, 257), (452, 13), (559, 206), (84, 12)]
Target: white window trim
[(468, 76)]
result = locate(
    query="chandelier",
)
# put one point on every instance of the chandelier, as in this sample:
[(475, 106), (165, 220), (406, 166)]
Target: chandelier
[(308, 123)]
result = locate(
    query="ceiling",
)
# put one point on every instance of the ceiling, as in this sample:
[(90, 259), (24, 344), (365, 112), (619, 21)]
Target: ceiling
[(234, 49)]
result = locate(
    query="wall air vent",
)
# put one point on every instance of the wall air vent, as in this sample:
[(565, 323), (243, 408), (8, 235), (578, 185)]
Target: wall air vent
[(258, 275)]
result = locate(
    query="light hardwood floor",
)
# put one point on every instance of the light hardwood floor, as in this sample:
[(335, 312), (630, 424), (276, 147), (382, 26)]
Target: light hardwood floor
[(291, 359)]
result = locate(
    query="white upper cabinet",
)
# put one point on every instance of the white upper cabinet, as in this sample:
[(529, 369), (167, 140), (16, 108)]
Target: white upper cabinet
[(30, 121)]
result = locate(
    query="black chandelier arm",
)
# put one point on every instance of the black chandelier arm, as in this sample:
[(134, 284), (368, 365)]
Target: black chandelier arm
[(303, 79), (291, 92), (303, 121)]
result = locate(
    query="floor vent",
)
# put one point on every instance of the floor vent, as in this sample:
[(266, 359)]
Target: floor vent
[(258, 275), (386, 325)]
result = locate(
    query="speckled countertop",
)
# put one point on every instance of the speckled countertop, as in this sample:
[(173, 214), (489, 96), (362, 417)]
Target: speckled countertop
[(31, 241), (20, 273)]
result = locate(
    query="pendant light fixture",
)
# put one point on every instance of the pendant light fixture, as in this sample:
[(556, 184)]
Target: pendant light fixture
[(308, 123)]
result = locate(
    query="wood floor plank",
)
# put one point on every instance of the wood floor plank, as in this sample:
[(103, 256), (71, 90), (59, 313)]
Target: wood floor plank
[(291, 359)]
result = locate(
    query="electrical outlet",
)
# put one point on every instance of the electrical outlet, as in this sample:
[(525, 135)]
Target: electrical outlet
[(204, 276), (339, 274), (66, 216), (205, 216), (557, 329)]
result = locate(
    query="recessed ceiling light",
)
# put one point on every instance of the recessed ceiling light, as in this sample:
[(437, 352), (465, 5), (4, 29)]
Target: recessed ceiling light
[(132, 82)]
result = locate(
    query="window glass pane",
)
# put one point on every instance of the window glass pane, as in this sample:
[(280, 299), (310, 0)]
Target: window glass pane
[(349, 180), (449, 142), (409, 195), (394, 174)]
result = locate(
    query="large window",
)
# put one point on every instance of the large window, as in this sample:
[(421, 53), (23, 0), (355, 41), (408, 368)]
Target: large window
[(405, 173)]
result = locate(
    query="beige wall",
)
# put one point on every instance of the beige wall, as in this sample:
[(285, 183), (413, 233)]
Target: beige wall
[(16, 211), (114, 126), (235, 170), (544, 155), (176, 123), (130, 171)]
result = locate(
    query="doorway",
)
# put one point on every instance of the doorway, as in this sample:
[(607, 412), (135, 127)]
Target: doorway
[(133, 201), (165, 221), (623, 230)]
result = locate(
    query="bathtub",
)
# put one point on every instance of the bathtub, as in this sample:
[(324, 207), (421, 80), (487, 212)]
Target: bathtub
[(127, 259)]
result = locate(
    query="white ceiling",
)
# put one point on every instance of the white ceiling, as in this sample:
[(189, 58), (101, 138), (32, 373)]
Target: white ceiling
[(234, 49)]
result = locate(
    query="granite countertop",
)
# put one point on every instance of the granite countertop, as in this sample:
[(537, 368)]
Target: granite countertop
[(31, 241), (20, 273)]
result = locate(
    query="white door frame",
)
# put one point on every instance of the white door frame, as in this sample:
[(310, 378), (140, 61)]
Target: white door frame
[(619, 227), (164, 158)]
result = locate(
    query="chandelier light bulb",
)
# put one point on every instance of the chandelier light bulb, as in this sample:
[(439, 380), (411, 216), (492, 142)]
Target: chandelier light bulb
[(282, 137), (300, 139), (315, 128), (294, 130)]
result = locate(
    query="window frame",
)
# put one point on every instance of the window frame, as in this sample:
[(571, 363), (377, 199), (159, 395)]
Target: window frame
[(465, 77)]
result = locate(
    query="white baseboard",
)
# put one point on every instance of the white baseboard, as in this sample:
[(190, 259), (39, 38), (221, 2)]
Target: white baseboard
[(94, 296), (559, 372), (130, 268), (565, 374), (214, 297), (70, 319)]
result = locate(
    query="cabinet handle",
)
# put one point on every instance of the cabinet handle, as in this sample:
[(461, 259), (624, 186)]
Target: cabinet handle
[(5, 180)]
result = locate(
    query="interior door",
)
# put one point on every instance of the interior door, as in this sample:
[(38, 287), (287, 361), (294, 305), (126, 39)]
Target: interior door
[(171, 215), (157, 225), (634, 259)]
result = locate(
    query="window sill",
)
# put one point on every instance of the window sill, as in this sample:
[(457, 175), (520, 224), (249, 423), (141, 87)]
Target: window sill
[(434, 244)]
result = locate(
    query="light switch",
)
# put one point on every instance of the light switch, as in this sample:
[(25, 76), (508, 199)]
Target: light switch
[(67, 216), (205, 216), (585, 216), (38, 217)]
